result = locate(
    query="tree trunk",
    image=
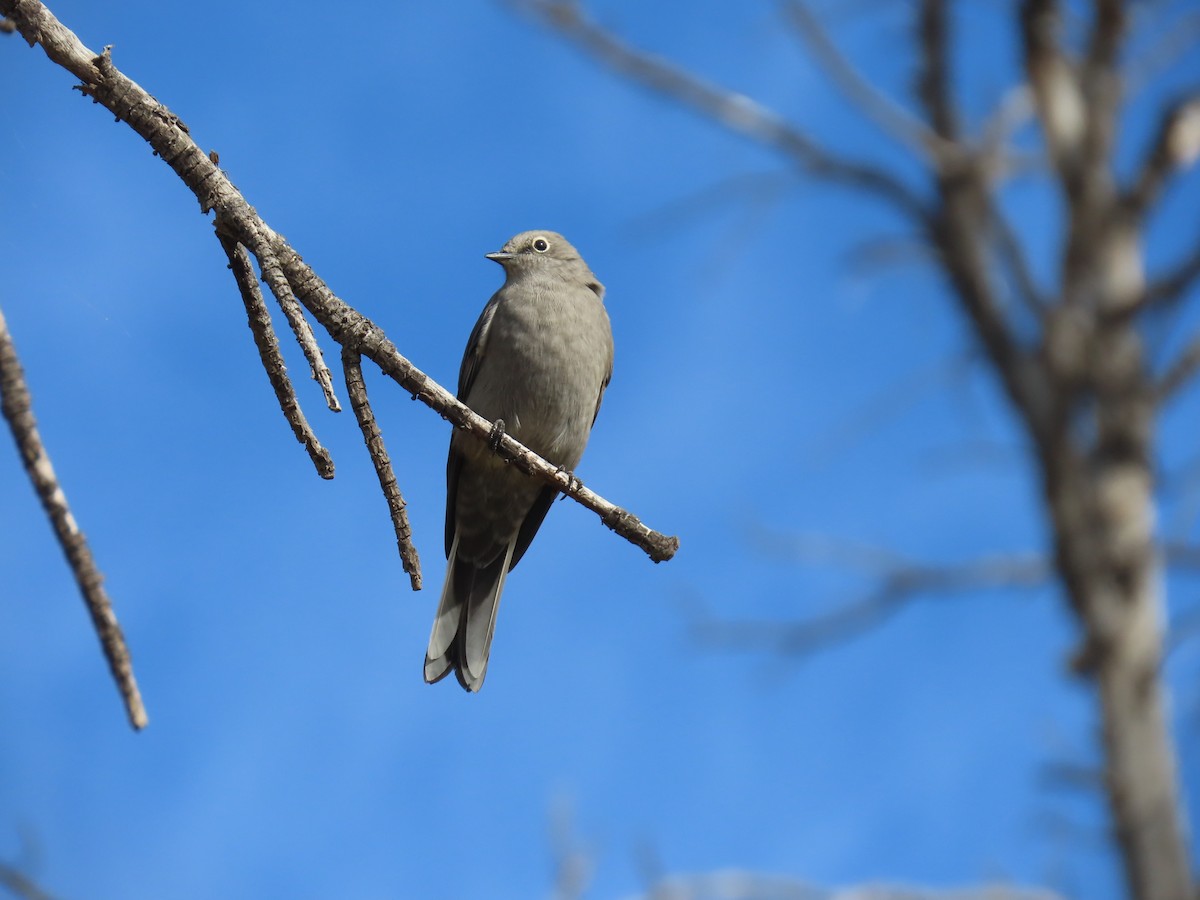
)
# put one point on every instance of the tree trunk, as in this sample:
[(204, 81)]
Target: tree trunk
[(1103, 509)]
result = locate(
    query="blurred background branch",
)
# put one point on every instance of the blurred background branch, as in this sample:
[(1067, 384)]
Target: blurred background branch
[(1066, 354)]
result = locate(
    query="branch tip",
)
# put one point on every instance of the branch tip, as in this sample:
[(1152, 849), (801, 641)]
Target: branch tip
[(356, 390)]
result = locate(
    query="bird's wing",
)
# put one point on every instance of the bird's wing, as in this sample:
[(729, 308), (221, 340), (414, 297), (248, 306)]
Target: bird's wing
[(476, 348), (454, 463), (532, 522), (545, 499), (603, 385), (472, 358)]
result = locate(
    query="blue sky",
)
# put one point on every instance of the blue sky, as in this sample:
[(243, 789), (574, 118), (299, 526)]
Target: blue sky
[(293, 748)]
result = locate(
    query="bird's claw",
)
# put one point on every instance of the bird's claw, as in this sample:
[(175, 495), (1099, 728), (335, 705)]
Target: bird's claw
[(573, 483), (496, 435)]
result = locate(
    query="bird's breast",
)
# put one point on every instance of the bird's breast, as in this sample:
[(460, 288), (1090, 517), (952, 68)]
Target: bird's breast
[(547, 355)]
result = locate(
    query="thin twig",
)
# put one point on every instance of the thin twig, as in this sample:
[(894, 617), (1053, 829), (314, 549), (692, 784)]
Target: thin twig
[(16, 404), (1016, 263), (1012, 112), (933, 75), (1178, 37), (1171, 287), (356, 389), (746, 187), (259, 318), (1183, 628), (21, 885), (1175, 145), (1179, 372), (1179, 554), (1100, 80), (891, 117), (965, 216), (295, 316), (899, 582), (743, 884), (735, 111)]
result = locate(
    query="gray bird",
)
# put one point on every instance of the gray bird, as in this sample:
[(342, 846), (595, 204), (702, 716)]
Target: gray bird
[(538, 360)]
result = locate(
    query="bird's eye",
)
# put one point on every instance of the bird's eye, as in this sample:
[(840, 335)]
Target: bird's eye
[(541, 245)]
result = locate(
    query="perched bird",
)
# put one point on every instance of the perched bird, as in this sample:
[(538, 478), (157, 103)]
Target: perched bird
[(538, 361)]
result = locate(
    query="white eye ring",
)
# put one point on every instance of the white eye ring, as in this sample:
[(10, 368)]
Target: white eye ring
[(541, 245)]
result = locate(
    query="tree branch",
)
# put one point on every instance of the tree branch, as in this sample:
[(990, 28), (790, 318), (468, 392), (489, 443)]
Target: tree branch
[(734, 111), (900, 581), (20, 885), (1056, 92), (1171, 287), (891, 117), (16, 404), (966, 214), (295, 316), (356, 388), (1177, 37), (741, 884), (1179, 372), (236, 219), (933, 75), (1176, 146), (1012, 256), (259, 318)]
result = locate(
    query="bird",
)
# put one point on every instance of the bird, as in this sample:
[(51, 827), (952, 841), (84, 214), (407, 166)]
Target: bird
[(536, 364)]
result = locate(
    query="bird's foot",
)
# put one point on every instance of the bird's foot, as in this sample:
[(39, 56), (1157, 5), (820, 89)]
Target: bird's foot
[(573, 483), (496, 435)]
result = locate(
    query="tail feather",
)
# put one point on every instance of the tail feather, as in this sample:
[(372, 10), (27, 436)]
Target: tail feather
[(445, 625), (479, 621), (466, 620)]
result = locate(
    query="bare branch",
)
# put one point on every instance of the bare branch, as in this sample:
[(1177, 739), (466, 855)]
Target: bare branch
[(170, 139), (966, 215), (1071, 775), (259, 318), (899, 582), (21, 885), (1015, 108), (933, 76), (295, 316), (740, 884), (965, 185), (1181, 555), (734, 111), (1168, 289), (1056, 90), (1183, 628), (1178, 37), (751, 188), (1175, 147), (1100, 83), (1016, 263), (891, 117), (1179, 372), (356, 388), (1108, 27), (16, 404), (574, 866)]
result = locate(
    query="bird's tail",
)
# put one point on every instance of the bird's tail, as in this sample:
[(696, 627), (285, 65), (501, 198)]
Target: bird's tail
[(466, 619)]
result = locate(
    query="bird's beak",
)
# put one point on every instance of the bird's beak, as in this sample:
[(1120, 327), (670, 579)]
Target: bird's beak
[(500, 256)]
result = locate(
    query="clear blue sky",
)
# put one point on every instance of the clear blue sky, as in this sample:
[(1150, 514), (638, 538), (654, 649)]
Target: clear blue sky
[(762, 380)]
